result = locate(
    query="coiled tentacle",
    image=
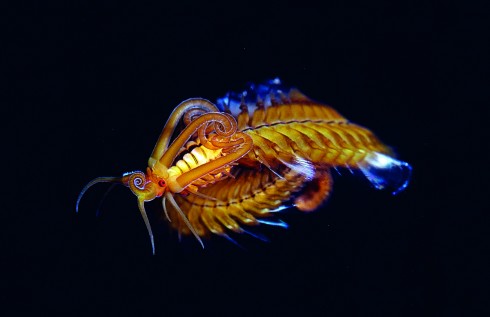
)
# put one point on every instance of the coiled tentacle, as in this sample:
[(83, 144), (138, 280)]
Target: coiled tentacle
[(223, 133), (270, 147), (184, 107), (226, 125)]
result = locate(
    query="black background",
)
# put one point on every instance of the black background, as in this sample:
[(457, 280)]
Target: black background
[(90, 87)]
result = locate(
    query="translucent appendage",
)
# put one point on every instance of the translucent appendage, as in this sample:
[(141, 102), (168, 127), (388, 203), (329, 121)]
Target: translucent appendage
[(264, 91), (385, 172)]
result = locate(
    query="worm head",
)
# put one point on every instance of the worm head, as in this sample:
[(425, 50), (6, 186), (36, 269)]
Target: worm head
[(145, 186)]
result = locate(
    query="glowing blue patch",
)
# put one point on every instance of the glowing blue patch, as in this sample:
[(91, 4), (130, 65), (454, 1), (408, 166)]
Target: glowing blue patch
[(385, 172), (281, 208), (256, 235), (278, 223), (264, 91)]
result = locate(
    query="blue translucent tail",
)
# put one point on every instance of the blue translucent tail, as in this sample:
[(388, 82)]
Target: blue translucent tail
[(385, 172)]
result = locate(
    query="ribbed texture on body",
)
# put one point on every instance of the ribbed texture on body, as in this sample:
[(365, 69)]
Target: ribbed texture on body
[(252, 193)]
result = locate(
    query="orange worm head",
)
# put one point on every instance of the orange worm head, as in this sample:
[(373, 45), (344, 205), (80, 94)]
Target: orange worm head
[(145, 187)]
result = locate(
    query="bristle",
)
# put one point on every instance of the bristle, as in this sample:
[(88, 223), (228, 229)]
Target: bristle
[(227, 237), (260, 103), (256, 235), (274, 101), (278, 223), (297, 96), (284, 98)]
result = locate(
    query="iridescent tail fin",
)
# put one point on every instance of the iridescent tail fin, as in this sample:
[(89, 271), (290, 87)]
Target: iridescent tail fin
[(385, 172)]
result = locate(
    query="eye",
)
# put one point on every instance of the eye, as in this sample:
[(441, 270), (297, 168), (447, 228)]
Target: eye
[(161, 183)]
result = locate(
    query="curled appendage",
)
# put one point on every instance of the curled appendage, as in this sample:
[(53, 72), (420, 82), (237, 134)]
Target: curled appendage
[(226, 124), (191, 114), (136, 183), (224, 129), (245, 146), (226, 143), (184, 107), (93, 182)]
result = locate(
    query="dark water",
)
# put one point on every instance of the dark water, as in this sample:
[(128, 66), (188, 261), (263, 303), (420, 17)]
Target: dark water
[(91, 86)]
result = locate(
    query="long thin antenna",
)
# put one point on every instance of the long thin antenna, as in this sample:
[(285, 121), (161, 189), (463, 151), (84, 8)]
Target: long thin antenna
[(141, 205), (93, 182), (102, 200)]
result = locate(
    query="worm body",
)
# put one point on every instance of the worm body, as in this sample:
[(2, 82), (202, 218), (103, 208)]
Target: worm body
[(242, 161)]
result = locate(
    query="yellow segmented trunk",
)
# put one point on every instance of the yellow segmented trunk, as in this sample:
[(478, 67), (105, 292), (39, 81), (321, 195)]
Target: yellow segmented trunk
[(196, 157), (305, 130), (312, 131), (251, 194), (228, 167)]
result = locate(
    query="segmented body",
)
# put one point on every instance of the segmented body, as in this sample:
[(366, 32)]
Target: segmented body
[(251, 194), (294, 128), (258, 151), (314, 132), (197, 156)]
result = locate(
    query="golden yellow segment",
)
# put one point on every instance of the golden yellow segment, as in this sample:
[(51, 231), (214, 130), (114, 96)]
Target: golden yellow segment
[(295, 112), (322, 143), (232, 173), (198, 156), (242, 120), (234, 201), (281, 133)]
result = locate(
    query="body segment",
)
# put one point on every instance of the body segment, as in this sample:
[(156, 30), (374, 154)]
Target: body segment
[(241, 162)]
